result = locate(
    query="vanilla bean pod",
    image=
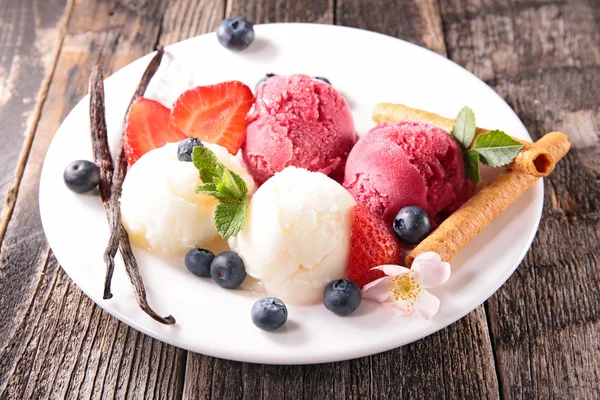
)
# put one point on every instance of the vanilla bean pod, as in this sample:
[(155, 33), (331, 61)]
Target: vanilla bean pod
[(103, 159), (114, 212), (147, 76), (135, 277), (102, 156)]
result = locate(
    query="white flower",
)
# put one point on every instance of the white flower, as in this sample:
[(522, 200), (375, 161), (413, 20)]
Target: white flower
[(405, 289)]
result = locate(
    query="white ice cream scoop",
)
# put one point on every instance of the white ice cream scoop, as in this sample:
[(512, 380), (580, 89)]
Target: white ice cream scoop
[(159, 207), (296, 237)]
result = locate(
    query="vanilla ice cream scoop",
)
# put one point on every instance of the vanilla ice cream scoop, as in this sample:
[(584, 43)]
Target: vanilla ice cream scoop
[(296, 237), (160, 208)]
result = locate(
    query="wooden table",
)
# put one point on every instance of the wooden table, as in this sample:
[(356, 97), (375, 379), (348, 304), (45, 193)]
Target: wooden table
[(538, 336)]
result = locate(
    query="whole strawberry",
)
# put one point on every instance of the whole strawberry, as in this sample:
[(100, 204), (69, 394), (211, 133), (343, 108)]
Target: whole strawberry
[(371, 245)]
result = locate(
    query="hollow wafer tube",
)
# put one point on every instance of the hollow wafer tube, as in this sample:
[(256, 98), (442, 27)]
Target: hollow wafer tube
[(532, 159), (481, 209)]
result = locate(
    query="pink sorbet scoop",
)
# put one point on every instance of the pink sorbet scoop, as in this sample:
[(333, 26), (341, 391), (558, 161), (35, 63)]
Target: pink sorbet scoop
[(298, 121), (407, 163)]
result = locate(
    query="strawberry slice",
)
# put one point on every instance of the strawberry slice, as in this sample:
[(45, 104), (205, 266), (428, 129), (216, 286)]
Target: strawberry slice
[(148, 127), (215, 114), (371, 245)]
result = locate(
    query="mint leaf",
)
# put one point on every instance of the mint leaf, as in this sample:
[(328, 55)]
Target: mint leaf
[(207, 163), (496, 148), (464, 127), (210, 189), (232, 183), (472, 165), (229, 218), (226, 186), (207, 188)]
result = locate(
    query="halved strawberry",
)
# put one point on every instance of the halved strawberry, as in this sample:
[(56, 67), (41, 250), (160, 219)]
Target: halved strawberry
[(216, 113), (371, 245), (148, 127)]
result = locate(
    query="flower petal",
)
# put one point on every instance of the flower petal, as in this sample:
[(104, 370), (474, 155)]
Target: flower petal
[(393, 308), (427, 304), (429, 256), (392, 270), (431, 270), (402, 306), (376, 290)]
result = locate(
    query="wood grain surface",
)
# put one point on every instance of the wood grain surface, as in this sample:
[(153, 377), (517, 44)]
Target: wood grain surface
[(537, 337), (30, 37)]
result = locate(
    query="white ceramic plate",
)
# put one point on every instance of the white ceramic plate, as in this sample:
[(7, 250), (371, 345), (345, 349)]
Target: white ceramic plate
[(365, 67)]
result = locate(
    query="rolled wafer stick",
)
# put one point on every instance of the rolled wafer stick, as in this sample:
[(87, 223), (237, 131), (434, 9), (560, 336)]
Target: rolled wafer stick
[(481, 209), (532, 159)]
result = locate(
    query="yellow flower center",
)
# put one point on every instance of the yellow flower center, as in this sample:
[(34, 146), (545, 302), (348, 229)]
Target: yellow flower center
[(404, 288)]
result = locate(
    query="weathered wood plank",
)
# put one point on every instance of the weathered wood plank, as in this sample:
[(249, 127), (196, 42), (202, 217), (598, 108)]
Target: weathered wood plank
[(188, 18), (543, 57), (418, 22), (30, 37), (53, 340), (463, 347), (267, 11), (495, 39)]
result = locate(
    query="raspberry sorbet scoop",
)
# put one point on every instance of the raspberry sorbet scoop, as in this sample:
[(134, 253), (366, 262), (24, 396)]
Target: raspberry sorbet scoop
[(298, 121), (407, 163)]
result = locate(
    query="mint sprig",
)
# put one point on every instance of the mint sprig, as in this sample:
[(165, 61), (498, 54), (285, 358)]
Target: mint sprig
[(494, 148), (224, 185)]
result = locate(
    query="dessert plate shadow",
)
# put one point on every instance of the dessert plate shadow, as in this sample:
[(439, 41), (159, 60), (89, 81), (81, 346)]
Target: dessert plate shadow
[(367, 68)]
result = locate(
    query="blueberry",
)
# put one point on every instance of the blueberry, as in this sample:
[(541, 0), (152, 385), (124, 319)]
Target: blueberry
[(322, 79), (412, 225), (82, 176), (235, 33), (342, 296), (185, 148), (269, 313), (227, 269), (198, 261), (264, 79)]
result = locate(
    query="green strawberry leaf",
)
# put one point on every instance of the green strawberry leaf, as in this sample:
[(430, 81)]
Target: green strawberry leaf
[(464, 127), (229, 218), (472, 165), (496, 148)]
